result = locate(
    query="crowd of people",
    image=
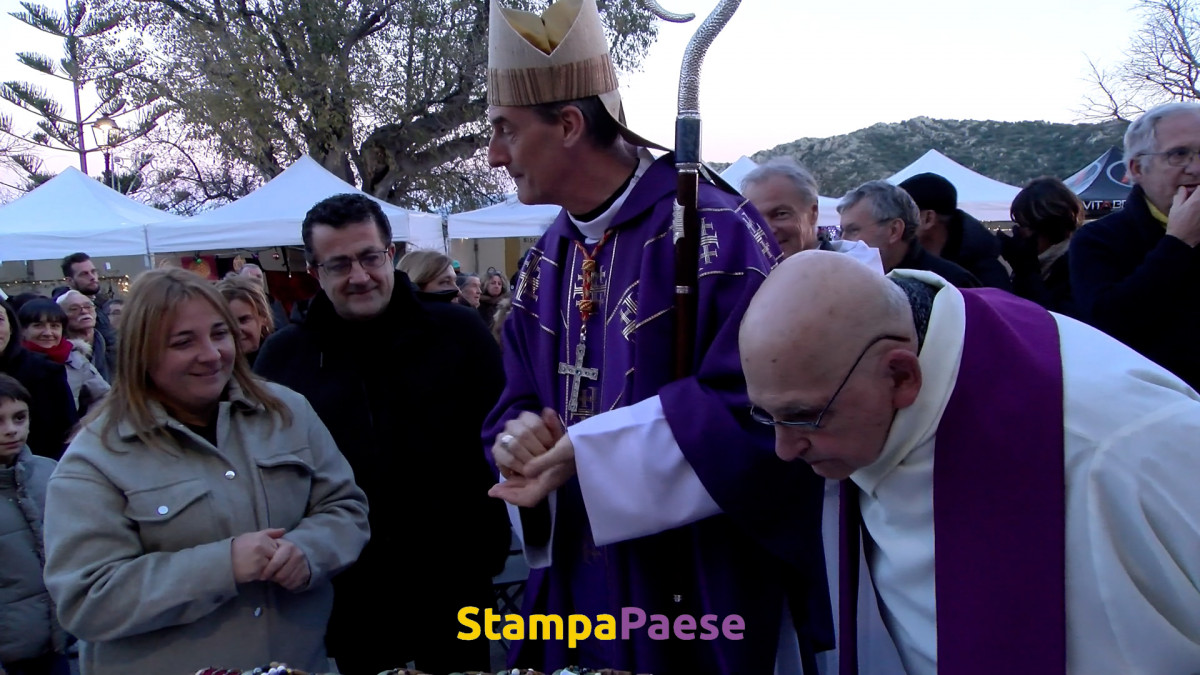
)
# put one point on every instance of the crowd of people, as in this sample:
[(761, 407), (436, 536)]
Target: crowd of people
[(197, 476)]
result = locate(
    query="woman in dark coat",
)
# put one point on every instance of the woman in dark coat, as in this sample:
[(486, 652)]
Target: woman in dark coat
[(1046, 213), (53, 414)]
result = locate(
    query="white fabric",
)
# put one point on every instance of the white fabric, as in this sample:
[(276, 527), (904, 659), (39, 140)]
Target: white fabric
[(634, 478), (535, 556), (860, 251), (72, 212), (876, 652), (269, 216), (509, 218), (1133, 511), (593, 229), (425, 232), (978, 195)]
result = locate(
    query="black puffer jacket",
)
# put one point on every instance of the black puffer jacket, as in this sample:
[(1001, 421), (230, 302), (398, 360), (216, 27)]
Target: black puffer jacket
[(52, 415), (28, 622), (405, 396)]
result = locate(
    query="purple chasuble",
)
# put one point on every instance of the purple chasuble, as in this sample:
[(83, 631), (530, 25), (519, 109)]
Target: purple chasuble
[(999, 501), (766, 544)]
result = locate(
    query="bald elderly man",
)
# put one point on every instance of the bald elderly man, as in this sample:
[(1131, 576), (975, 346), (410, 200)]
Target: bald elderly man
[(1025, 576)]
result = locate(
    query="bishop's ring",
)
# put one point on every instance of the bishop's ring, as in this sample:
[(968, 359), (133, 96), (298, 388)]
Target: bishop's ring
[(506, 441)]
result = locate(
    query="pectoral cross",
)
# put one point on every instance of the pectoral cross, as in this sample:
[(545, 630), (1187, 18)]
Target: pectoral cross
[(577, 372)]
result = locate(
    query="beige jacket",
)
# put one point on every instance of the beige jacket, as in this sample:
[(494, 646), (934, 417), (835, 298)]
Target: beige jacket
[(138, 540)]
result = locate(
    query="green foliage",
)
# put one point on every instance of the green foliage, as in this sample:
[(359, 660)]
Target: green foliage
[(387, 94), (1010, 152), (93, 64)]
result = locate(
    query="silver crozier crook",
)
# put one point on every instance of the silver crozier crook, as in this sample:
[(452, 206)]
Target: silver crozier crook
[(686, 226)]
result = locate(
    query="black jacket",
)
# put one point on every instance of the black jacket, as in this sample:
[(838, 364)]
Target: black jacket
[(108, 331), (918, 258), (52, 416), (405, 396), (973, 247), (1140, 286)]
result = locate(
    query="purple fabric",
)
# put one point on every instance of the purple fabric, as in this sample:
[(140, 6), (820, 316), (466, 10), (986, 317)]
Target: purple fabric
[(1000, 526), (849, 534), (767, 543), (999, 496)]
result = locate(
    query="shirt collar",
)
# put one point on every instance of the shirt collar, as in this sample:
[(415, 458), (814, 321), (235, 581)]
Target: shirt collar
[(1158, 215), (917, 424), (234, 398)]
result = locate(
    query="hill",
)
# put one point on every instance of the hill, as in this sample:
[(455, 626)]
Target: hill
[(1011, 152)]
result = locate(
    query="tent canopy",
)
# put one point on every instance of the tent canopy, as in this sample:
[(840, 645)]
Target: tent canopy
[(978, 195), (509, 218), (269, 216), (1102, 185), (735, 173), (72, 212)]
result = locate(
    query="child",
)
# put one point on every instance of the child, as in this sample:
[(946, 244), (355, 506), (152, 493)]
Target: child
[(31, 641)]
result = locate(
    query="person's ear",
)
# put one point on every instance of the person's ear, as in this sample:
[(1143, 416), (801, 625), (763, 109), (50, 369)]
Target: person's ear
[(895, 231), (573, 125), (904, 374)]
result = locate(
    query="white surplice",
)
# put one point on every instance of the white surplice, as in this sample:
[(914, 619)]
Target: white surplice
[(1132, 441)]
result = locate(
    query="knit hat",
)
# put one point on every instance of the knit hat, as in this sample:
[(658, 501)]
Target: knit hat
[(561, 55), (931, 192)]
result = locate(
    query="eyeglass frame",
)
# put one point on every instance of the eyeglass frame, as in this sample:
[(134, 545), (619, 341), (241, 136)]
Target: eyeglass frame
[(80, 308), (351, 260), (759, 415), (1192, 154)]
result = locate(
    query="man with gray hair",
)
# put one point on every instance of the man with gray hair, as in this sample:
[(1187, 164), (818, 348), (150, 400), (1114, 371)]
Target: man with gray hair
[(785, 193), (885, 217), (1136, 272)]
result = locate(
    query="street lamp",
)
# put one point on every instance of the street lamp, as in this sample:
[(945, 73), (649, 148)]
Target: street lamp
[(107, 134)]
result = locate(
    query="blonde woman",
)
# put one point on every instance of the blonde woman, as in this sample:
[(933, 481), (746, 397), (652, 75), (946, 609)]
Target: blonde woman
[(251, 312), (431, 272), (199, 514)]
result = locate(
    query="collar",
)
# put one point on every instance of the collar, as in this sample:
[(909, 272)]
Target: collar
[(917, 424), (592, 230), (1051, 255), (1158, 215), (234, 399), (401, 310)]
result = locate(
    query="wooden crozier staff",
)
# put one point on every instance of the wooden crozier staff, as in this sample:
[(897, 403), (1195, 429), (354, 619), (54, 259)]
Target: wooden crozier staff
[(686, 226)]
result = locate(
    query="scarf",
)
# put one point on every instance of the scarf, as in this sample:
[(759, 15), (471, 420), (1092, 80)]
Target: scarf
[(59, 353)]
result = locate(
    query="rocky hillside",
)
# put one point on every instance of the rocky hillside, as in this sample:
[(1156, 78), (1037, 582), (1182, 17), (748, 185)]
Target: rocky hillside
[(1012, 152)]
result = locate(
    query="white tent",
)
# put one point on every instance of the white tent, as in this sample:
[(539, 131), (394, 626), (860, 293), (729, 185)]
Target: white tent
[(736, 172), (978, 195), (269, 216), (425, 232), (72, 212), (509, 218)]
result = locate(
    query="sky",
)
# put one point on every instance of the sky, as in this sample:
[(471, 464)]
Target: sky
[(788, 69)]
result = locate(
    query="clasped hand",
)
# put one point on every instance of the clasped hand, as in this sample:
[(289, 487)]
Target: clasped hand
[(535, 455), (266, 556)]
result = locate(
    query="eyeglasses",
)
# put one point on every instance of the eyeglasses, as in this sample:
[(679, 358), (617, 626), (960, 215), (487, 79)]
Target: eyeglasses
[(340, 267), (762, 417), (78, 309), (1177, 157)]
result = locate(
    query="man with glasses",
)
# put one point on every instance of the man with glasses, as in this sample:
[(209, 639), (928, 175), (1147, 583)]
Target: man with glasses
[(1135, 273), (404, 387), (82, 276), (1027, 484), (885, 217)]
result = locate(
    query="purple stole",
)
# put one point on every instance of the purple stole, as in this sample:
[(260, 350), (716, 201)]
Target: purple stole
[(999, 509)]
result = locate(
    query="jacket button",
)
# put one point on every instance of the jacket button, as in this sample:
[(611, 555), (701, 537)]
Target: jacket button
[(162, 510), (258, 611), (230, 475)]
